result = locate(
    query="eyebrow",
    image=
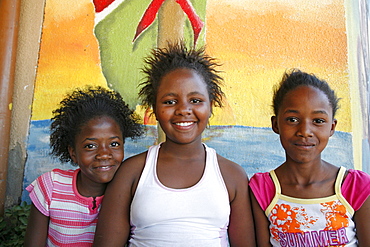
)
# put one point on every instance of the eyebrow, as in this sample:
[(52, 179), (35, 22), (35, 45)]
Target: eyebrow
[(189, 94), (195, 93), (321, 112), (92, 139), (168, 94), (314, 112)]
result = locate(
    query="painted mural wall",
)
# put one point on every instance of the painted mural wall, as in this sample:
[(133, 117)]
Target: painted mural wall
[(92, 42)]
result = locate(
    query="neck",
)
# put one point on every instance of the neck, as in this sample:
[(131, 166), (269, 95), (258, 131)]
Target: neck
[(306, 173), (88, 188), (186, 150)]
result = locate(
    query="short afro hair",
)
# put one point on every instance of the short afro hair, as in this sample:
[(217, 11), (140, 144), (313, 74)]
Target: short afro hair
[(178, 56), (82, 105)]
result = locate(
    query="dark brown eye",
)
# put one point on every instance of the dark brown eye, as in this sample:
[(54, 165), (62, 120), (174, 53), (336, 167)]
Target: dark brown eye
[(195, 101), (89, 146), (115, 144), (169, 102), (319, 121), (292, 119)]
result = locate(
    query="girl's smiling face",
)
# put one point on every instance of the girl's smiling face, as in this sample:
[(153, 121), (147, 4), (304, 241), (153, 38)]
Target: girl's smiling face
[(304, 122), (99, 150), (183, 106)]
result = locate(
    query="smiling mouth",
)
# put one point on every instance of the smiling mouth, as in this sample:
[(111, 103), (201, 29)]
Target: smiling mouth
[(184, 124), (303, 145), (104, 167)]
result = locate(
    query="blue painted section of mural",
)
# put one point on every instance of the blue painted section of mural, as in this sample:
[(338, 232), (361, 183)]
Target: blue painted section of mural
[(255, 149)]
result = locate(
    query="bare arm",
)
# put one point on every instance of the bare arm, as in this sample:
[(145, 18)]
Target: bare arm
[(37, 228), (113, 227), (241, 228), (261, 224), (362, 221)]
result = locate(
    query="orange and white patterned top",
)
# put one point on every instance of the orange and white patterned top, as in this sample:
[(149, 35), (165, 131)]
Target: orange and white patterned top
[(308, 222)]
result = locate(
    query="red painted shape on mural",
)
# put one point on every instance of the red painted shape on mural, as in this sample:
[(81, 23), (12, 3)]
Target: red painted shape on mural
[(195, 21), (100, 5), (152, 11), (148, 17)]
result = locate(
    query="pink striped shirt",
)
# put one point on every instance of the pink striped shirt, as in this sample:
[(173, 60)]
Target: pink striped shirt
[(72, 216)]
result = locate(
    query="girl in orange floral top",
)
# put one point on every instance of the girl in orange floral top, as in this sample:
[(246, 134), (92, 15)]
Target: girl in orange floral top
[(307, 201)]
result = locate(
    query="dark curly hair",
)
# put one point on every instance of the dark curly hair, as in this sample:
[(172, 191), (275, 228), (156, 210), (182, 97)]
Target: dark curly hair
[(177, 56), (295, 78), (82, 105)]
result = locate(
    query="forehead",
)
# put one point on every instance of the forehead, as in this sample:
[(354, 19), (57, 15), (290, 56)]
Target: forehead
[(306, 96), (182, 78), (99, 122)]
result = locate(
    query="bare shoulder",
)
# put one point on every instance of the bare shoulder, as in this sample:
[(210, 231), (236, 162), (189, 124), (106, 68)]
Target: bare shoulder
[(134, 163), (230, 169), (235, 177), (129, 172)]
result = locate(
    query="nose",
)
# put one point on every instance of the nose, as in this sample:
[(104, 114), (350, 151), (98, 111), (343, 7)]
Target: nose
[(183, 109), (304, 129), (103, 153)]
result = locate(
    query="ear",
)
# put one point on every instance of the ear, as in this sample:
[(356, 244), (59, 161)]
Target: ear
[(153, 112), (72, 153), (274, 124), (333, 125)]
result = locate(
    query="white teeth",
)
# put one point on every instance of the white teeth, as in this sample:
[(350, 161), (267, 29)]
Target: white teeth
[(184, 123)]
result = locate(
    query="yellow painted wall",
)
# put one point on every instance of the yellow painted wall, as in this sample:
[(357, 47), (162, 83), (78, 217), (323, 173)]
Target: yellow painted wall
[(69, 54), (255, 40), (258, 40)]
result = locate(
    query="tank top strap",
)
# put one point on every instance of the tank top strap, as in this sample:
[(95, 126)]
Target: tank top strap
[(150, 165), (339, 180), (213, 167), (277, 192), (211, 159), (276, 182), (338, 190)]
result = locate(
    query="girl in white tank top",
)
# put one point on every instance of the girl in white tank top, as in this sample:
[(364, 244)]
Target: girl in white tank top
[(178, 193)]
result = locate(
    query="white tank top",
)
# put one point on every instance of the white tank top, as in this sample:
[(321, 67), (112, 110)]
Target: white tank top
[(195, 216)]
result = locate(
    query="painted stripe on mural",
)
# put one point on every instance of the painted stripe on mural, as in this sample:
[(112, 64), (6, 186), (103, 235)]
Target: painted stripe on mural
[(104, 8)]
